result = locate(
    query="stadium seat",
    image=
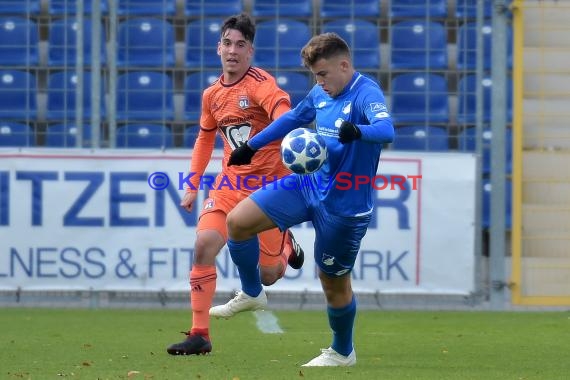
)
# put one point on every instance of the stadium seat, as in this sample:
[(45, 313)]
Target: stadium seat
[(144, 136), (344, 8), (190, 135), (296, 84), (467, 142), (144, 96), (65, 135), (467, 46), (467, 100), (468, 8), (61, 96), (486, 212), (60, 7), (362, 36), (419, 9), (202, 37), (18, 41), (16, 134), (282, 8), (279, 42), (212, 8), (63, 39), (17, 95), (22, 7), (145, 42), (419, 45), (420, 98), (193, 86), (146, 7), (420, 137)]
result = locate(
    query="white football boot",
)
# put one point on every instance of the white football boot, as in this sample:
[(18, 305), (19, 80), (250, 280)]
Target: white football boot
[(331, 358), (241, 302)]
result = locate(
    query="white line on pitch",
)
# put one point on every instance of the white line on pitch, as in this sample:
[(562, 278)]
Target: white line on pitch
[(267, 322)]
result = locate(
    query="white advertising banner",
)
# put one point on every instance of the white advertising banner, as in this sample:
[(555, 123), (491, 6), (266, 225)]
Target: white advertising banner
[(110, 220)]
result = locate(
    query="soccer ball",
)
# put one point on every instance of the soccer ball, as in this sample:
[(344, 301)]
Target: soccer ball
[(303, 151)]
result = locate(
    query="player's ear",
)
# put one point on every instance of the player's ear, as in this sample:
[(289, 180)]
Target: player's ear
[(219, 50)]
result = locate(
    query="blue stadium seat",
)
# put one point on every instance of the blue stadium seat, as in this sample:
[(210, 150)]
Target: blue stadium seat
[(418, 9), (25, 7), (212, 8), (486, 212), (65, 135), (296, 84), (419, 45), (279, 42), (468, 8), (202, 37), (193, 86), (63, 39), (467, 142), (18, 41), (350, 8), (61, 90), (17, 95), (145, 42), (61, 7), (190, 135), (146, 7), (144, 96), (420, 98), (467, 99), (421, 137), (467, 46), (144, 136), (362, 36), (16, 134), (282, 8)]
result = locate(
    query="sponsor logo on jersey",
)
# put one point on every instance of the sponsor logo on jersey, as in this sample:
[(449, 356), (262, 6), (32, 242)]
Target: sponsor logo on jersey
[(378, 107), (321, 104)]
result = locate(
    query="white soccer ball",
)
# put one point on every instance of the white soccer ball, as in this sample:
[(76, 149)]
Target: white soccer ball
[(303, 151)]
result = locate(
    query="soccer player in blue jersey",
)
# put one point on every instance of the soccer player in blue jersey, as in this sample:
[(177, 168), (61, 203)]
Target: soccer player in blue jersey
[(350, 113)]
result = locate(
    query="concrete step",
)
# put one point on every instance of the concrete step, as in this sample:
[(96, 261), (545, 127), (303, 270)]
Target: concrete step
[(547, 165)]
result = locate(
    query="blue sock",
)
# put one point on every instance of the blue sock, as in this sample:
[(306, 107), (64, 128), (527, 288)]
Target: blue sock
[(245, 255), (341, 321)]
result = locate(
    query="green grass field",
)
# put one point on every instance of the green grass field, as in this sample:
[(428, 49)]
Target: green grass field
[(110, 344)]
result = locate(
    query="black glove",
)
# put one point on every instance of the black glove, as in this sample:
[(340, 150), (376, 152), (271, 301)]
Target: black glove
[(241, 155), (348, 132)]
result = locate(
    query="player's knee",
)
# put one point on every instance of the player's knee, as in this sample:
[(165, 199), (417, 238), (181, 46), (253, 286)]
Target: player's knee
[(269, 278), (236, 226)]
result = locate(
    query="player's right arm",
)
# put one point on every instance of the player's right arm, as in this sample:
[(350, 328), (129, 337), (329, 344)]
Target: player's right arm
[(201, 154), (303, 114)]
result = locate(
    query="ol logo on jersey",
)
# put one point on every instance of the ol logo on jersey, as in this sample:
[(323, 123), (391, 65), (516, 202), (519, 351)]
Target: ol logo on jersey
[(243, 102)]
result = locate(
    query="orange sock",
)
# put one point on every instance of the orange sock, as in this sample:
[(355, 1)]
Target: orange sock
[(286, 251), (202, 289)]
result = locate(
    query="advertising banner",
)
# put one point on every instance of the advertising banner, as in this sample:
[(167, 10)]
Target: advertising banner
[(110, 220)]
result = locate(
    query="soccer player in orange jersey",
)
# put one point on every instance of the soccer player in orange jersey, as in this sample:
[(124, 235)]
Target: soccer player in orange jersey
[(242, 102)]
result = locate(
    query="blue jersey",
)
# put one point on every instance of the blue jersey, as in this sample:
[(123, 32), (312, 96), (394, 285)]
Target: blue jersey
[(339, 184)]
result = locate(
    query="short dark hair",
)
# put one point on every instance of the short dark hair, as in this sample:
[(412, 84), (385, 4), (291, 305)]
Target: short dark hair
[(324, 46), (241, 22)]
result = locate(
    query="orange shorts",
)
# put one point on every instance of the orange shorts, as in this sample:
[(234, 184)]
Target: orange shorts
[(213, 217)]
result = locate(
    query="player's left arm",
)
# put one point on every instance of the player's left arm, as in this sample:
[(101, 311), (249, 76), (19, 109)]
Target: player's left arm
[(379, 128)]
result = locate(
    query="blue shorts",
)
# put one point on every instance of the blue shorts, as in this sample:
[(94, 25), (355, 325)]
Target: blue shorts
[(337, 238)]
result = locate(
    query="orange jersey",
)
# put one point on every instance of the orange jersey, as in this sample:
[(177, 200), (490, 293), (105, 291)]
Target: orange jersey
[(238, 111)]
